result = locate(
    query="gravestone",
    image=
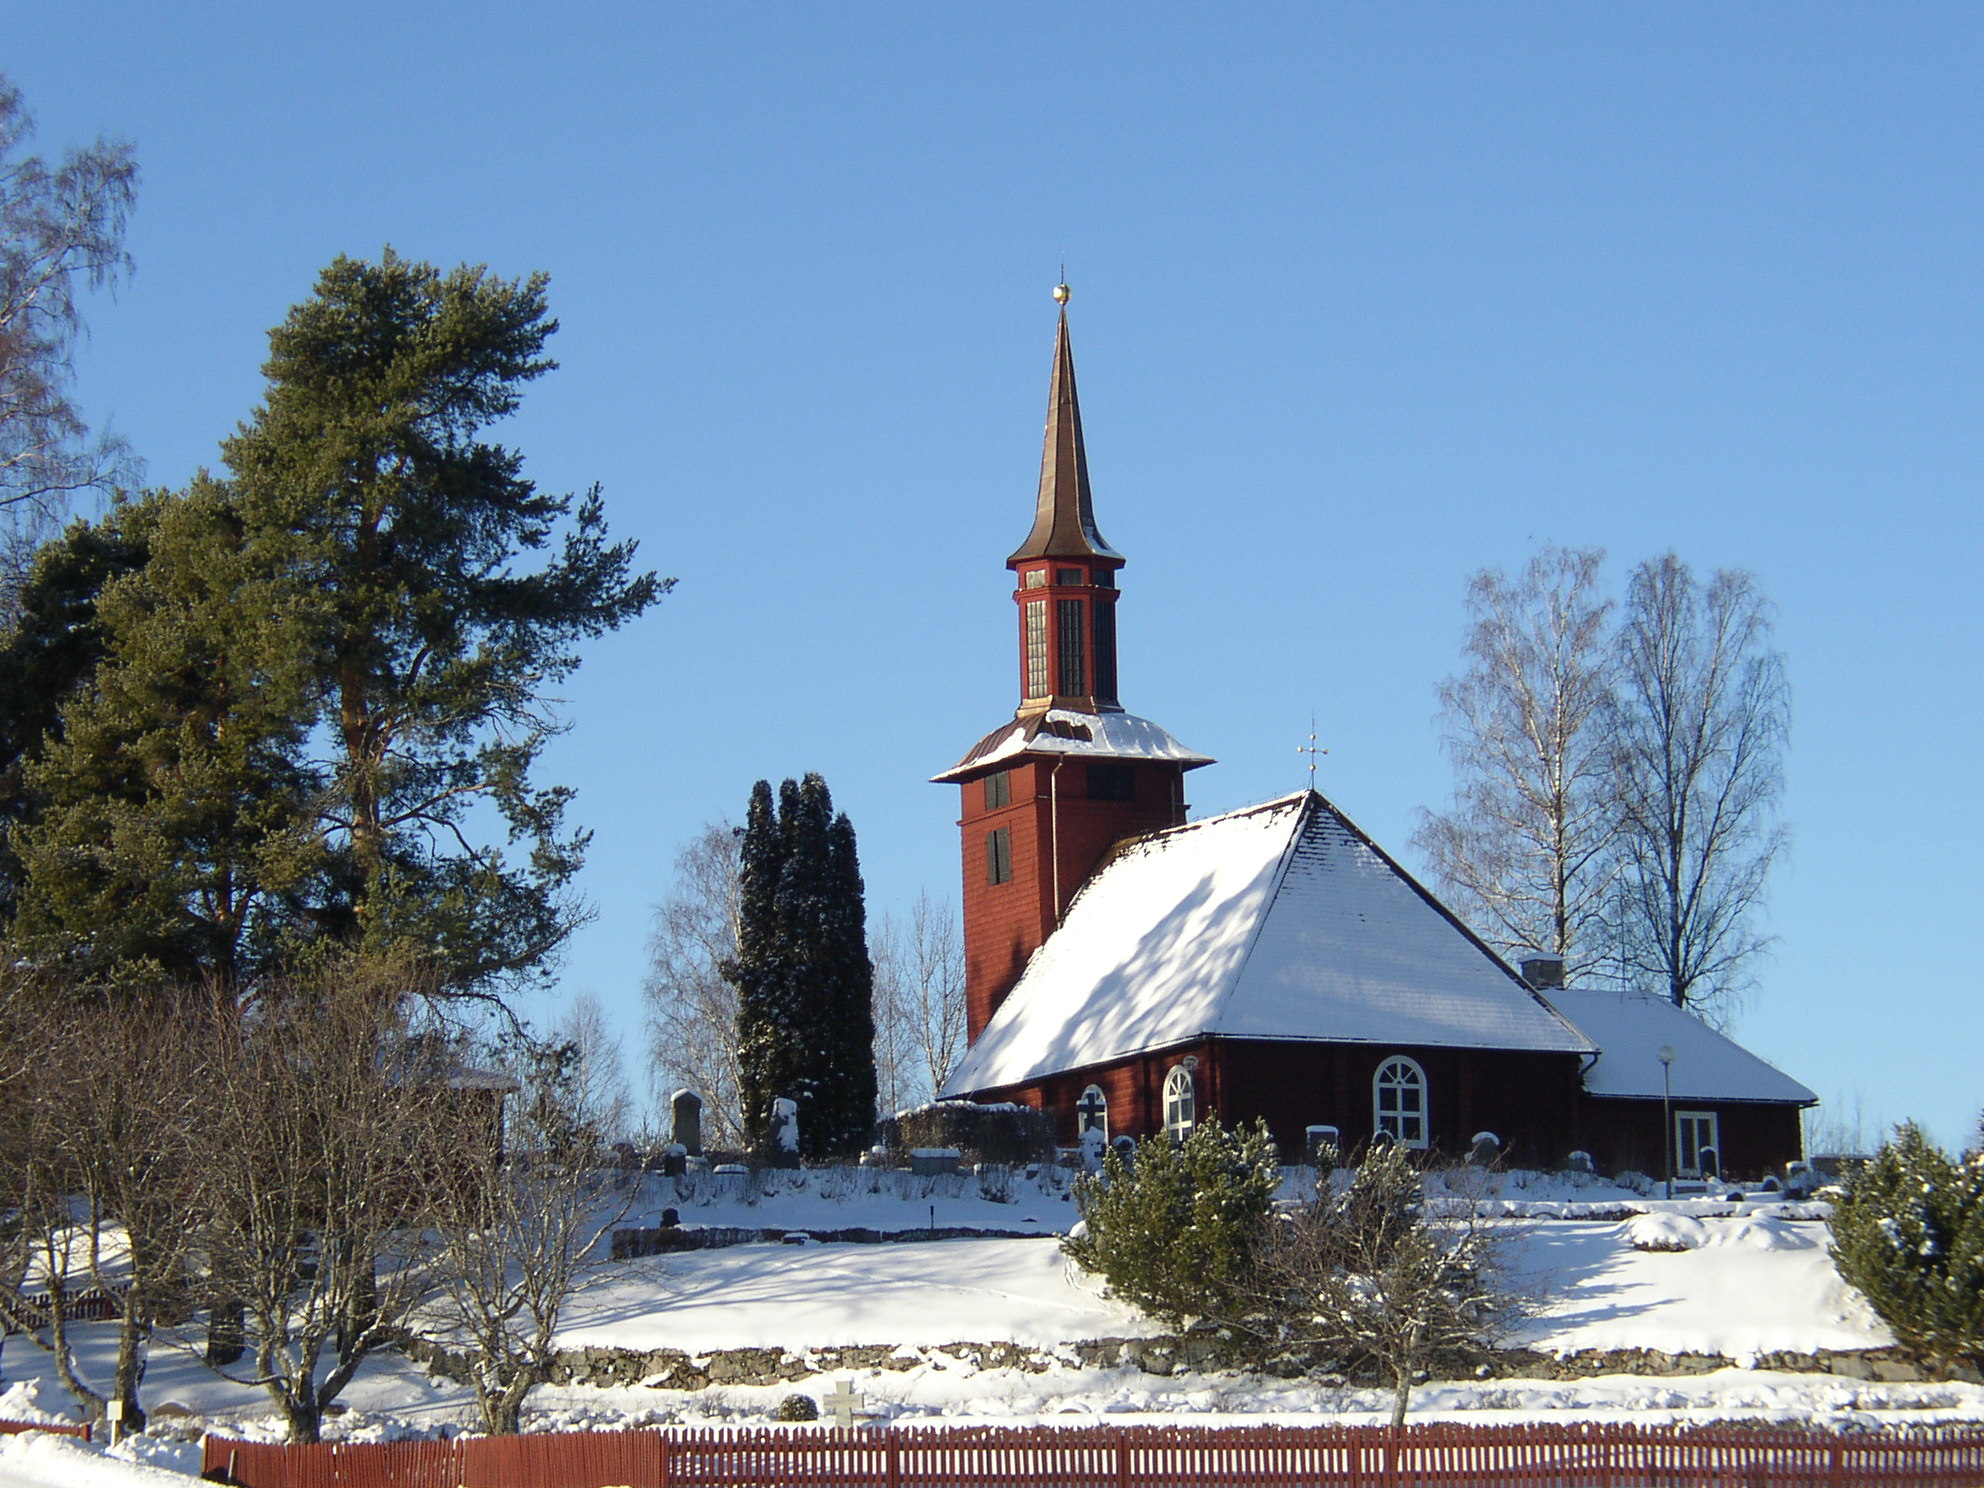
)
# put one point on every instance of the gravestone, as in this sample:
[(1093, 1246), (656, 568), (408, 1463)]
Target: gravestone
[(1485, 1151), (1094, 1143), (785, 1133), (934, 1162), (1322, 1146), (685, 1110), (844, 1403)]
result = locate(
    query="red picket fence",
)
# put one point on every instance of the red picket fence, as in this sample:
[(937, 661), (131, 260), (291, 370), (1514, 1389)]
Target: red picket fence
[(1544, 1455), (60, 1428)]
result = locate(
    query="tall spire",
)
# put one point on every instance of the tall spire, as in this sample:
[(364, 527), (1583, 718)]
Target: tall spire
[(1064, 520)]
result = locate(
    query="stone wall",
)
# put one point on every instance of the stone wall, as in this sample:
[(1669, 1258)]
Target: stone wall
[(671, 1369)]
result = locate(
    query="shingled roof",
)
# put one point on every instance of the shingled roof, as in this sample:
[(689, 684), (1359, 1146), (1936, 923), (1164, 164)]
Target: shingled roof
[(1281, 921)]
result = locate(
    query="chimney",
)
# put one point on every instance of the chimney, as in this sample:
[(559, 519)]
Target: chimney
[(1543, 972)]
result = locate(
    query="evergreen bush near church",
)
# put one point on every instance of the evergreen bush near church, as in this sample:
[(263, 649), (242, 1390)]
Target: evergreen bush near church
[(1178, 1229), (805, 986), (1909, 1233)]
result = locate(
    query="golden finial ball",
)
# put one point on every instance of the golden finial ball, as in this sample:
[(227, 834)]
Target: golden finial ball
[(1062, 294)]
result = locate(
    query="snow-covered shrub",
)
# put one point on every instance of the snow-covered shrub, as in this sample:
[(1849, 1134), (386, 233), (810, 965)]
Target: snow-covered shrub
[(1178, 1230), (1665, 1232), (1633, 1182), (798, 1408), (1908, 1231)]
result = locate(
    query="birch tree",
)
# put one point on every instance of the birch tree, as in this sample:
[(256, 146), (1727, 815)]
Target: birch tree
[(61, 231), (919, 1003), (1524, 852), (692, 1010), (1702, 715)]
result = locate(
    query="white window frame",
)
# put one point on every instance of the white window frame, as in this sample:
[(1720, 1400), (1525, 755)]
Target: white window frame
[(1399, 1076), (1181, 1103), (1686, 1164), (1085, 1123)]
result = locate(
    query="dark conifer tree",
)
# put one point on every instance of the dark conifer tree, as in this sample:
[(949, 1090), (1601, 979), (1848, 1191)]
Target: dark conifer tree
[(805, 1019)]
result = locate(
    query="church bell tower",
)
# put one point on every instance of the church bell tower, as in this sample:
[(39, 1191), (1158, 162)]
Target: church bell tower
[(1046, 795)]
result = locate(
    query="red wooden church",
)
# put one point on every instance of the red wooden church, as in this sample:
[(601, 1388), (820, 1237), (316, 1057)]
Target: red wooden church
[(1129, 971)]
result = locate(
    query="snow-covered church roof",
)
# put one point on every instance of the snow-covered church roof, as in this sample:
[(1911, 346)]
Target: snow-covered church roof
[(1113, 735), (1281, 921), (1630, 1026)]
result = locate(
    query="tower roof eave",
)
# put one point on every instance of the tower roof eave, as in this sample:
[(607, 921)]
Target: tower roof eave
[(1062, 731)]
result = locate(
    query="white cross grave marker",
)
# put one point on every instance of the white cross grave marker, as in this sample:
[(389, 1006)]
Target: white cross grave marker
[(843, 1402)]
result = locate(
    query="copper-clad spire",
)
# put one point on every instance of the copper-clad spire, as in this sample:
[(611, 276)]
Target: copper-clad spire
[(1064, 521)]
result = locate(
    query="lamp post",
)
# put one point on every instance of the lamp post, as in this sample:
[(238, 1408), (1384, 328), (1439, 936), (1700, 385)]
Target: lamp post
[(1665, 1054)]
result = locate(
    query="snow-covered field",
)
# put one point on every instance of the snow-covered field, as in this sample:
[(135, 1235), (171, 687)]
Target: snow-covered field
[(1736, 1279)]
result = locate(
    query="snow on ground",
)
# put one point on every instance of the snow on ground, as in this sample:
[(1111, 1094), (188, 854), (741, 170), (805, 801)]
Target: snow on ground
[(37, 1460), (788, 1296), (1738, 1287), (1706, 1275)]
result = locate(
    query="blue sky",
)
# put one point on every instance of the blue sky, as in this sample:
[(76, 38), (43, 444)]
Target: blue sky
[(1366, 297)]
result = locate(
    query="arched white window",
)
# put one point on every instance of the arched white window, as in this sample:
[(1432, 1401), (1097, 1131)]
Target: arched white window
[(1092, 1114), (1398, 1101), (1180, 1105)]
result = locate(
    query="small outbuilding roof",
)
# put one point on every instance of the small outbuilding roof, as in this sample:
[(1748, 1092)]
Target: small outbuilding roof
[(1281, 921), (1630, 1026)]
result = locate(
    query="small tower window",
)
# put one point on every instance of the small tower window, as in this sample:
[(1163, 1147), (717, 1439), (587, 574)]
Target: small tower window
[(1035, 578), (1180, 1104), (999, 856), (1104, 579), (998, 790), (1074, 649), (1036, 648), (1398, 1098), (1068, 576)]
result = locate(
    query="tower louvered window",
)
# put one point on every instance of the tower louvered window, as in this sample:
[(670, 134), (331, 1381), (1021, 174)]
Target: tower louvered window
[(1105, 651), (1036, 648), (999, 856), (1074, 646)]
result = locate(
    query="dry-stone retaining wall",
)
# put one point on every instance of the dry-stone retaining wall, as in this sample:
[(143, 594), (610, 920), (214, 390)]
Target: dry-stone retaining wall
[(671, 1369)]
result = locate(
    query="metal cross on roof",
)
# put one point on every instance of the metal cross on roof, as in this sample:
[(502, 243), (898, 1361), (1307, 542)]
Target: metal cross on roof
[(843, 1403), (1311, 750)]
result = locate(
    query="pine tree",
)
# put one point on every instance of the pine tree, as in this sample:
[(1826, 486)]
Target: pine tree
[(1909, 1233), (1178, 1229), (49, 654), (172, 816), (341, 659), (805, 1016)]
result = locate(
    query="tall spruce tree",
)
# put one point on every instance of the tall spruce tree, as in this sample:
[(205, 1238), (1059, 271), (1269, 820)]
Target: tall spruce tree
[(805, 1014)]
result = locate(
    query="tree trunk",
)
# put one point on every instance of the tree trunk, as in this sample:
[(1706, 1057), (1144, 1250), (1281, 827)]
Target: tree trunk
[(227, 1334), (306, 1421)]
